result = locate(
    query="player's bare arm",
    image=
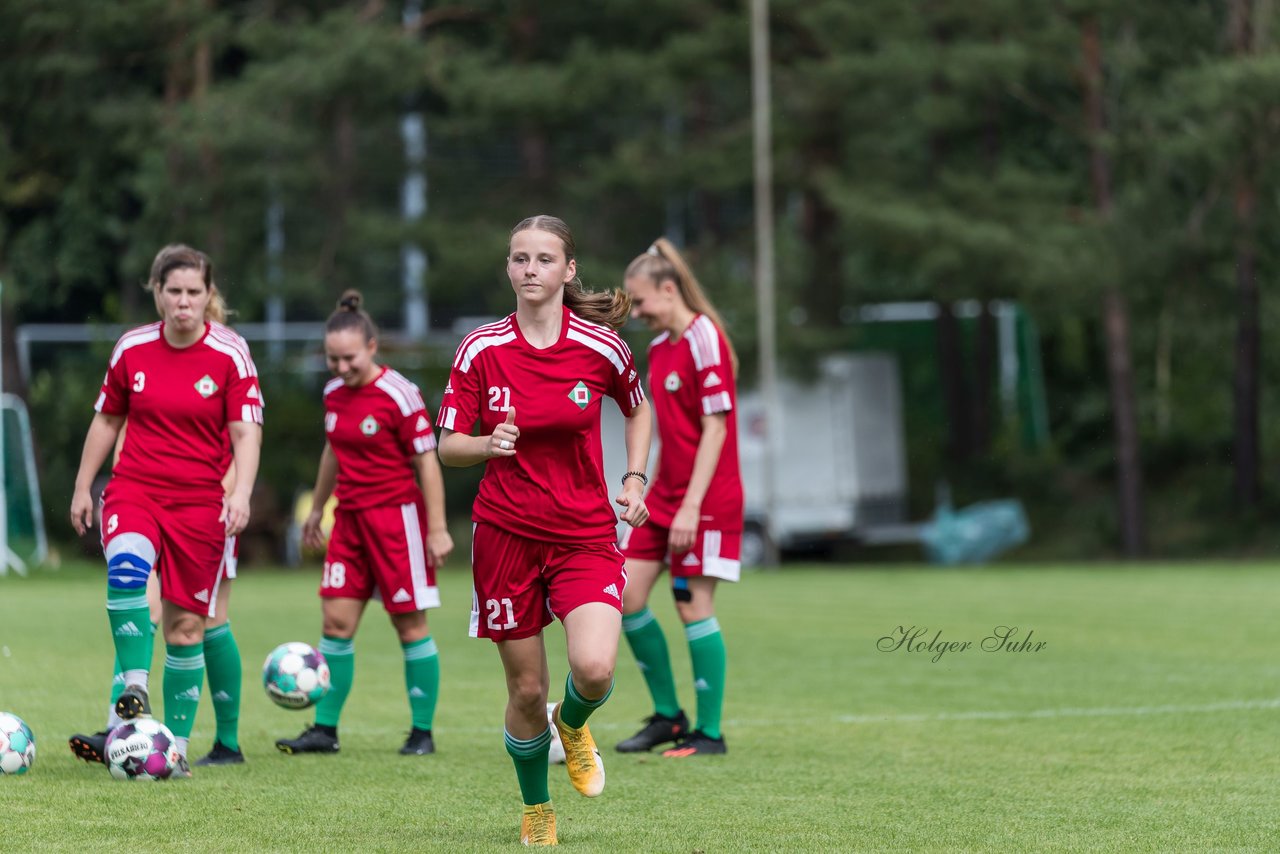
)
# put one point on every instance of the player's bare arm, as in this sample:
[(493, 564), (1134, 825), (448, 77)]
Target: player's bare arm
[(98, 443), (246, 448), (431, 481), (637, 433), (684, 526), (460, 450), (326, 478)]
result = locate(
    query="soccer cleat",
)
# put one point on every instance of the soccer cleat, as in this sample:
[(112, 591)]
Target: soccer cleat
[(586, 766), (221, 755), (538, 825), (658, 729), (696, 743), (419, 743), (90, 748), (312, 740), (133, 703), (181, 770)]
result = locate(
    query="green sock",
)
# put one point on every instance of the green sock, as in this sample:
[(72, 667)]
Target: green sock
[(183, 676), (649, 645), (530, 758), (576, 708), (222, 663), (118, 686), (341, 655), (422, 680), (127, 612), (706, 647)]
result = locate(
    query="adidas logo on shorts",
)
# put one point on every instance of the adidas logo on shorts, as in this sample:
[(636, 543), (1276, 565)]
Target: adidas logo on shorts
[(128, 630), (402, 595), (202, 596), (690, 559), (612, 590)]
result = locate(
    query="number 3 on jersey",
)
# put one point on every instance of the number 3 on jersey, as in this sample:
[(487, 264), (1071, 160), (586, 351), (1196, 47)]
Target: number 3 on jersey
[(499, 398), (495, 608)]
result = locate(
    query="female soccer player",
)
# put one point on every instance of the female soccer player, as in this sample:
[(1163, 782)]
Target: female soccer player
[(534, 382), (221, 653), (695, 499), (389, 531), (189, 389)]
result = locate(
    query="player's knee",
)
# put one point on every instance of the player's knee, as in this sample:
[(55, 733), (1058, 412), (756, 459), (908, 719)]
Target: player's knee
[(593, 675), (130, 558), (339, 627), (528, 694)]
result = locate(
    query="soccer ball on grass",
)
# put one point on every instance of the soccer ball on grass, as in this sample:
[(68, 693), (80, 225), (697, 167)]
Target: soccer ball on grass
[(295, 675), (17, 745), (141, 749)]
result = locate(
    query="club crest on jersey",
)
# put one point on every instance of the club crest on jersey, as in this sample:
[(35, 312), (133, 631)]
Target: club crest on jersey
[(672, 382), (580, 395), (206, 387), (369, 426)]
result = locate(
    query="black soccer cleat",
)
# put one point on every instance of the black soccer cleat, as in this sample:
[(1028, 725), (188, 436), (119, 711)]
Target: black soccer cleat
[(133, 703), (90, 748), (221, 755), (419, 743), (658, 729), (312, 740), (696, 743)]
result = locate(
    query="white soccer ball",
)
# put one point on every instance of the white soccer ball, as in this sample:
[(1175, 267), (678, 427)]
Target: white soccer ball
[(295, 675), (17, 745), (141, 749), (556, 756)]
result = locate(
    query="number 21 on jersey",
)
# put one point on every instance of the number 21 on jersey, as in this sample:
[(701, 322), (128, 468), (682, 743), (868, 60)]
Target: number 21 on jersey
[(499, 398), (496, 607)]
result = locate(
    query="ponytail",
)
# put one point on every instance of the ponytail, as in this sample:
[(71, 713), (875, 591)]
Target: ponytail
[(663, 262)]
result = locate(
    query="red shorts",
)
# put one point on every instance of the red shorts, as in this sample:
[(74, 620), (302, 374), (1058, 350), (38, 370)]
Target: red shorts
[(381, 551), (520, 585), (715, 554), (190, 544)]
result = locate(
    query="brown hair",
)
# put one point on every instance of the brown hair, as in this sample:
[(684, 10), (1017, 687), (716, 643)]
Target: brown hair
[(350, 315), (178, 256), (610, 308), (663, 262)]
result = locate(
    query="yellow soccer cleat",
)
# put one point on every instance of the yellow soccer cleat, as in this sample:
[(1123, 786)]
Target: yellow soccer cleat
[(586, 767), (538, 825)]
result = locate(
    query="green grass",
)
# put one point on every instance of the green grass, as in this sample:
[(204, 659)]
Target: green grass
[(1149, 722)]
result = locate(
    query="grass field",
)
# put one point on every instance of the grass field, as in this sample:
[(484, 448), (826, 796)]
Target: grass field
[(1148, 721)]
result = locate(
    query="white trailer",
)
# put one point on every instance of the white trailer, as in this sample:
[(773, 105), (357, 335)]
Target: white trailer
[(840, 469)]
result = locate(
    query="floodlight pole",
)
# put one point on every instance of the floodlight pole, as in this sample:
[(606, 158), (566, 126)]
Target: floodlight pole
[(413, 207), (766, 308), (4, 466)]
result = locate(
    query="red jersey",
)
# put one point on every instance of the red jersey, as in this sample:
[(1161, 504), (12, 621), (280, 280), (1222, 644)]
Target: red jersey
[(375, 431), (553, 489), (179, 402), (689, 378)]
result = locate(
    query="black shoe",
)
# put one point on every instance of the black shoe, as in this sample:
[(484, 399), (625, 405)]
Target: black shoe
[(696, 743), (133, 703), (312, 740), (90, 748), (221, 755), (181, 770), (419, 743), (658, 729)]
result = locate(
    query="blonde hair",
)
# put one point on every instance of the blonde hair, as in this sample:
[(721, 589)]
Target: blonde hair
[(178, 256), (663, 262), (609, 308)]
